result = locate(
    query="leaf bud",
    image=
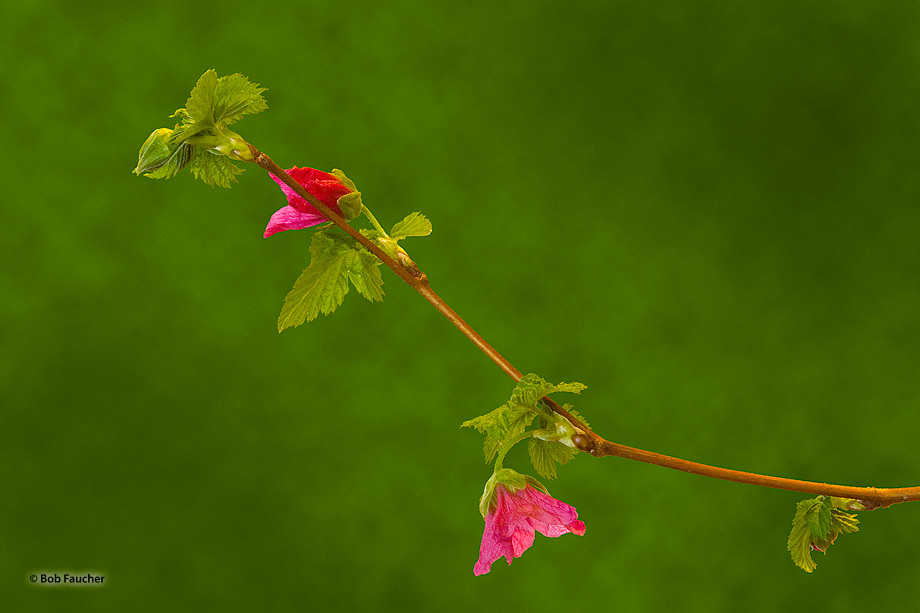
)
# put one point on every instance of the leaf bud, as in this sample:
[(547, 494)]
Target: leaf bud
[(156, 151)]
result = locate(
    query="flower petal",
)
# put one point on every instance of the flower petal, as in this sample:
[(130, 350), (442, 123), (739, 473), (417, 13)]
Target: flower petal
[(324, 186), (516, 517), (299, 213), (289, 218)]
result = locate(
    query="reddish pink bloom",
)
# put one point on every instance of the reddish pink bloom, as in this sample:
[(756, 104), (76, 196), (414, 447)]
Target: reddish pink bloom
[(510, 526), (299, 213)]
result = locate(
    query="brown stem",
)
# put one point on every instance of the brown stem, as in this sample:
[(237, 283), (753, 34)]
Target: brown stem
[(408, 273), (869, 497), (590, 442)]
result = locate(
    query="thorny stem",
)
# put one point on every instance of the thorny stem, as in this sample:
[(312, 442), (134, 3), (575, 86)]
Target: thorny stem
[(868, 498)]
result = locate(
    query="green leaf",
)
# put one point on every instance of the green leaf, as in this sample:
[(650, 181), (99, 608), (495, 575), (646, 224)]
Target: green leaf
[(816, 525), (220, 101), (545, 454), (799, 542), (531, 388), (200, 105), (841, 521), (415, 224), (500, 425), (201, 137), (334, 260), (364, 273), (819, 517), (213, 168), (235, 96), (516, 415), (848, 504)]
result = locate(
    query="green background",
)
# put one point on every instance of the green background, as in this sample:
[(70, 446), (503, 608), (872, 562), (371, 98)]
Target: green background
[(706, 211)]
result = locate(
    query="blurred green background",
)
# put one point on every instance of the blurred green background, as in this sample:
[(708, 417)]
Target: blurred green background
[(704, 210)]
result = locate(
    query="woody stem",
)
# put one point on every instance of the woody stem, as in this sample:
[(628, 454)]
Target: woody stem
[(588, 440)]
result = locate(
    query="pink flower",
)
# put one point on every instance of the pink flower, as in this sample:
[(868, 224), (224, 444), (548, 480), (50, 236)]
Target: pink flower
[(299, 213), (517, 513)]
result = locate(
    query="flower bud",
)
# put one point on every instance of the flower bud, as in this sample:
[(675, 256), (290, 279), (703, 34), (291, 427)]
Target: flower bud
[(156, 151)]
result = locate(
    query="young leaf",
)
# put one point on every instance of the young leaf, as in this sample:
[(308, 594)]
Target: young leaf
[(235, 96), (819, 517), (500, 425), (545, 454), (364, 273), (799, 542), (532, 388), (212, 168), (841, 521), (816, 526), (321, 287), (513, 417), (200, 104), (415, 224), (201, 137)]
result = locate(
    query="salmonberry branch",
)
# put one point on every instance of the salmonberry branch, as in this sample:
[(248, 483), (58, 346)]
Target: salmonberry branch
[(867, 498), (407, 272)]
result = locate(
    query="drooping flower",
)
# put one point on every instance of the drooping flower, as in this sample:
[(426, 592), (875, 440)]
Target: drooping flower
[(513, 516), (299, 213)]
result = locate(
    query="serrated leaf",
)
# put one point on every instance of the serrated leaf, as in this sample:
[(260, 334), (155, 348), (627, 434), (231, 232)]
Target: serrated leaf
[(816, 526), (842, 521), (415, 224), (364, 273), (531, 388), (334, 260), (212, 168), (516, 415), (484, 423), (819, 517), (235, 96), (200, 104), (201, 137), (545, 454), (799, 542), (320, 288), (500, 425)]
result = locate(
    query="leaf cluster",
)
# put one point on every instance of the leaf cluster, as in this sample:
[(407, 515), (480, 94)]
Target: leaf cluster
[(514, 417), (335, 260), (546, 448), (816, 525), (201, 138)]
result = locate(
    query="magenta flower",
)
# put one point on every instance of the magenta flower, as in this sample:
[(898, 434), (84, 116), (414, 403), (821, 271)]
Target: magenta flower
[(299, 213), (514, 516)]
